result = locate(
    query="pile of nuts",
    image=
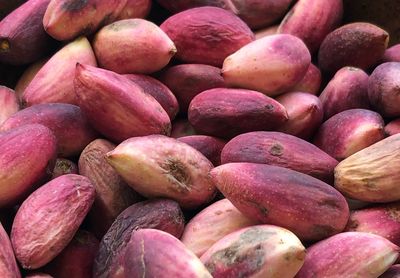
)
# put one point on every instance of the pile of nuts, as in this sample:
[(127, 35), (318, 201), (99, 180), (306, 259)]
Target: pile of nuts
[(197, 138)]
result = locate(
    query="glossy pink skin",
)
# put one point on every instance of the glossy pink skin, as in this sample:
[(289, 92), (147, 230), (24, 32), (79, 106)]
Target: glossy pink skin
[(126, 45), (284, 58), (195, 31), (312, 20), (349, 254), (311, 82), (8, 264), (76, 260), (8, 102), (66, 121), (392, 272), (305, 114), (226, 113), (27, 156), (113, 194), (349, 132), (64, 201), (348, 89), (157, 90), (63, 167), (188, 80), (279, 149), (54, 82), (358, 44), (308, 207), (39, 275), (149, 250), (210, 147), (161, 214), (116, 107), (392, 54), (181, 128), (383, 220), (81, 17), (22, 36), (392, 127), (212, 224), (383, 89), (135, 9)]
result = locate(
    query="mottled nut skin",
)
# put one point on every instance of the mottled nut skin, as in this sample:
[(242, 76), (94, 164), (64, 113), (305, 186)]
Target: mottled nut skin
[(173, 170), (8, 264), (257, 251), (358, 44)]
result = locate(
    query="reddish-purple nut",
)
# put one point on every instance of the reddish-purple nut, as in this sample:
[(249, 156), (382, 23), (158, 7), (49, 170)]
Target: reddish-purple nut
[(8, 102), (358, 44), (188, 80), (279, 149), (173, 170), (54, 82), (392, 54), (305, 114), (350, 254), (38, 275), (8, 264), (149, 250), (382, 220), (157, 90), (113, 194), (384, 89), (23, 39), (311, 81), (213, 223), (392, 127), (76, 260), (349, 132), (226, 113), (66, 121), (81, 17), (210, 147), (126, 45), (118, 108), (257, 251), (48, 219), (312, 20), (348, 89), (195, 31), (64, 166), (284, 58), (308, 207), (161, 214), (27, 156)]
